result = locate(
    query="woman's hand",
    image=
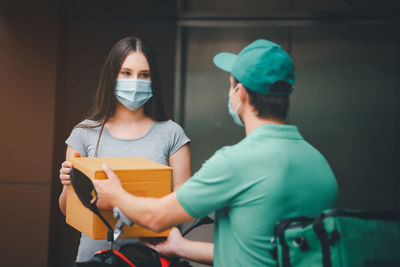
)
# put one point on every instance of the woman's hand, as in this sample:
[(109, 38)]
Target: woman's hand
[(65, 177), (64, 173), (65, 170)]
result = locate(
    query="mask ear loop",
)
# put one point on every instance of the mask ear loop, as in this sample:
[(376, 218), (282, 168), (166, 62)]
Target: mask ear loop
[(237, 118), (240, 103), (234, 90)]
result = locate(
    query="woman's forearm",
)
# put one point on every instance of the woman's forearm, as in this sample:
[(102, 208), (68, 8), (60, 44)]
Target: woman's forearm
[(62, 200)]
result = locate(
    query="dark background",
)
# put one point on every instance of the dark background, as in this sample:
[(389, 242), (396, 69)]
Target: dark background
[(346, 101)]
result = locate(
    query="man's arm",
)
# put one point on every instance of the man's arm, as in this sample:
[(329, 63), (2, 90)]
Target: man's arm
[(157, 214), (202, 252), (177, 246)]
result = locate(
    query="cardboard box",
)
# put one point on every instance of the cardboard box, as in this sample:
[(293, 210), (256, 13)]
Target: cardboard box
[(139, 176)]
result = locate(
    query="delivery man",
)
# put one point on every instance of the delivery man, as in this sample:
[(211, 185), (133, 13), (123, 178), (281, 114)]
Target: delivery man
[(273, 173)]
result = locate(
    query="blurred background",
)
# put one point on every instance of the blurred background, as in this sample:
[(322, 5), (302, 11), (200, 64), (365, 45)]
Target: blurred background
[(346, 100)]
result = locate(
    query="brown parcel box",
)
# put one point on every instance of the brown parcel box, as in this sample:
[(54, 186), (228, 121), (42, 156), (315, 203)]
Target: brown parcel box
[(139, 176)]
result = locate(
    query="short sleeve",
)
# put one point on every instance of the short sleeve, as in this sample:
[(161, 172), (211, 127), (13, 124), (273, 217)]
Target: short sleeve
[(78, 141), (178, 138), (213, 187)]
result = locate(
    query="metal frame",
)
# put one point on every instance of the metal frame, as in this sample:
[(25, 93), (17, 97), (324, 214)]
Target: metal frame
[(180, 76), (397, 122), (289, 22)]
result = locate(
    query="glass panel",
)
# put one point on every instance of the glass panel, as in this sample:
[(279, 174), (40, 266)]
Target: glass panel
[(345, 104), (207, 120), (346, 101)]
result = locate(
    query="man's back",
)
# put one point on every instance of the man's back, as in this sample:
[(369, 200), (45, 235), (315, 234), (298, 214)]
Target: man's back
[(270, 175)]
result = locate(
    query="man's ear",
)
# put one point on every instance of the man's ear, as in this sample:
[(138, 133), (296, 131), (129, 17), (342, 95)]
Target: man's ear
[(243, 94)]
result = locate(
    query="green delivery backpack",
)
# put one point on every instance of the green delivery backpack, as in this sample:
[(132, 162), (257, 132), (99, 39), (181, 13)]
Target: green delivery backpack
[(339, 238)]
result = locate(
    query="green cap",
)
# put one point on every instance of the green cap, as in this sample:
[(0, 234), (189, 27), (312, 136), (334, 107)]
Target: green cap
[(258, 66)]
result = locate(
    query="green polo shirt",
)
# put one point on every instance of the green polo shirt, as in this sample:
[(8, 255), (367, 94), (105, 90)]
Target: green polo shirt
[(271, 174)]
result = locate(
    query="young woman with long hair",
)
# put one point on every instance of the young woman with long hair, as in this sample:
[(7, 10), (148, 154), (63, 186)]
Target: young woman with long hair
[(127, 120)]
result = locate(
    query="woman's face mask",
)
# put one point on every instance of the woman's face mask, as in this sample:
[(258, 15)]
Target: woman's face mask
[(133, 93)]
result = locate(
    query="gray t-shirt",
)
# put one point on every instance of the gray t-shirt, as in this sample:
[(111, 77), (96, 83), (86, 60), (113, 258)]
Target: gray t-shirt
[(161, 141)]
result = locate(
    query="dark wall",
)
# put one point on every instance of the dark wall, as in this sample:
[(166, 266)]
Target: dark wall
[(28, 61), (51, 56)]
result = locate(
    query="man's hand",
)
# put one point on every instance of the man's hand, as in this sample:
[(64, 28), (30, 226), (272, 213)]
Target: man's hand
[(108, 190), (170, 247), (177, 246)]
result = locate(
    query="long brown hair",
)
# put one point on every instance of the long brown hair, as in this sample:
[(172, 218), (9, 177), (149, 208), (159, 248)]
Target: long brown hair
[(105, 102)]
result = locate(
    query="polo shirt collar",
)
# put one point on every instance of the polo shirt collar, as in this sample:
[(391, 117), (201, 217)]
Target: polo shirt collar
[(278, 130)]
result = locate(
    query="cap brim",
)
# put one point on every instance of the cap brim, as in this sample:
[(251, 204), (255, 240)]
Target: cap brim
[(224, 61)]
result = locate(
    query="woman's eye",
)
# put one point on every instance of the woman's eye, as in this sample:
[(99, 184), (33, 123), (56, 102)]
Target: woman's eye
[(144, 75), (126, 73)]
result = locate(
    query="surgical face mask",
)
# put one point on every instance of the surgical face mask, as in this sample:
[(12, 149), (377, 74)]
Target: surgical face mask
[(133, 93), (233, 112)]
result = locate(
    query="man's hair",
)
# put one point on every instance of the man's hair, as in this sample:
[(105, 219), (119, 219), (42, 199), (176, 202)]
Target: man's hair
[(270, 107)]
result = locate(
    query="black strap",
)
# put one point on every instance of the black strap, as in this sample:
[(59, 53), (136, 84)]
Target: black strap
[(280, 233), (280, 228), (319, 229)]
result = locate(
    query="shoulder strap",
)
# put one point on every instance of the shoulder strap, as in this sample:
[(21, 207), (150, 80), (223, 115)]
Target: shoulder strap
[(280, 228), (319, 229)]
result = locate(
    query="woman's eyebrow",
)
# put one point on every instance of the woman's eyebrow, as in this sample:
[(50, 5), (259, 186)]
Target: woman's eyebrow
[(146, 70)]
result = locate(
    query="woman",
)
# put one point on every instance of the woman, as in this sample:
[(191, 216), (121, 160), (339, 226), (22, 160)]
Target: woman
[(127, 120)]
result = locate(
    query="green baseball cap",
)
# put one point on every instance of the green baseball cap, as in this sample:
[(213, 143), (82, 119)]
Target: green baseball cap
[(258, 66)]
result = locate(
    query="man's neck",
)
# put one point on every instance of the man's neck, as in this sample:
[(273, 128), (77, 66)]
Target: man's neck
[(252, 122)]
